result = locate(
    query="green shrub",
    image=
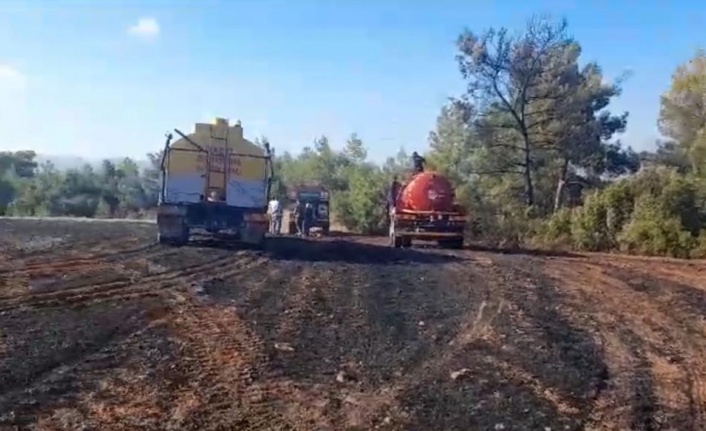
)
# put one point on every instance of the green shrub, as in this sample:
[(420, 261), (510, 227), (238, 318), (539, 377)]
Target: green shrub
[(589, 227), (652, 231)]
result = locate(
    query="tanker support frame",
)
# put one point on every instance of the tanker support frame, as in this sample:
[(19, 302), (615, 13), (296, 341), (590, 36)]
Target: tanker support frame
[(446, 228)]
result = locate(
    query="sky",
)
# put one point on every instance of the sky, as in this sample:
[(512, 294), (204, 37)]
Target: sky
[(107, 78)]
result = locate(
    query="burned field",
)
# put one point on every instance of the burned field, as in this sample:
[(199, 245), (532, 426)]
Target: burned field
[(103, 329)]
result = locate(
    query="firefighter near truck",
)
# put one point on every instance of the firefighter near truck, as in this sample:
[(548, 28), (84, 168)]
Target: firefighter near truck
[(214, 181), (424, 208)]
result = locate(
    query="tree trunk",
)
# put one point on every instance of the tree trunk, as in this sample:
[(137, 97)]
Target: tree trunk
[(561, 184), (529, 187)]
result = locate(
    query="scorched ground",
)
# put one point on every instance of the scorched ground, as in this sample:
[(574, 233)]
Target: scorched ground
[(102, 329)]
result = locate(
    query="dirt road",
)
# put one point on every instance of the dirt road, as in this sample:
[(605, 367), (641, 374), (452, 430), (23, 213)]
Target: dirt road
[(102, 329)]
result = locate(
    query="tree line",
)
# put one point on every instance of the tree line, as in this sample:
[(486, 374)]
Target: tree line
[(531, 146)]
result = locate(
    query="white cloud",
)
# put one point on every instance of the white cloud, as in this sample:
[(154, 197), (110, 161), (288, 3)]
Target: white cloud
[(11, 78), (145, 28)]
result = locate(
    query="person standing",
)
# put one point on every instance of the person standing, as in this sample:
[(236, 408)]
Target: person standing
[(275, 212), (308, 218), (299, 217), (418, 162), (392, 196)]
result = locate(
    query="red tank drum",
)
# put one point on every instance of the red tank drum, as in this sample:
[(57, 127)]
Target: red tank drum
[(427, 191)]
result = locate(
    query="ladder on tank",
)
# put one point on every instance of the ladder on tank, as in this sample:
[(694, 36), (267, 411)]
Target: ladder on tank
[(226, 162)]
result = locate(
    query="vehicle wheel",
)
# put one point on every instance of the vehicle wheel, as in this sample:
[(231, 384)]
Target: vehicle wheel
[(325, 229), (406, 242)]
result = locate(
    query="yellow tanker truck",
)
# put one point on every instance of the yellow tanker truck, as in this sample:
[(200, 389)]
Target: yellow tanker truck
[(214, 180)]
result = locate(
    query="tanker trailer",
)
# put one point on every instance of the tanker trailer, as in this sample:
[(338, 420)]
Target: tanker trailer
[(425, 209), (214, 181)]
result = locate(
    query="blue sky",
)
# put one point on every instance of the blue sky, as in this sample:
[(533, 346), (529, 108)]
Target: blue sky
[(74, 79)]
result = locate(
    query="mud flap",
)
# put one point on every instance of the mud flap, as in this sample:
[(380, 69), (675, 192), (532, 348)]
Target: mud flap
[(172, 229), (254, 234)]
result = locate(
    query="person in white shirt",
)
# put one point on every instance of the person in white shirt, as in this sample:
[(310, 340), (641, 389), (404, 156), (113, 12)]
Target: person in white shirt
[(274, 209)]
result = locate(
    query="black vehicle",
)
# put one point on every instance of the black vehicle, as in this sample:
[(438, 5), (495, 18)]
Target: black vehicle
[(319, 198)]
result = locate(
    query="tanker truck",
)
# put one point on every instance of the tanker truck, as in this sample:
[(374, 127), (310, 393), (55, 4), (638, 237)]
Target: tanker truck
[(214, 181), (424, 208)]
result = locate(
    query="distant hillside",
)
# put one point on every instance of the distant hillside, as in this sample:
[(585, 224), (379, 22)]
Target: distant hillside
[(73, 162)]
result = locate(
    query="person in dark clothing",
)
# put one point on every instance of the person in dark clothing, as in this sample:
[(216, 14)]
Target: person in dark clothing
[(394, 191), (392, 194), (308, 218), (418, 162), (299, 217)]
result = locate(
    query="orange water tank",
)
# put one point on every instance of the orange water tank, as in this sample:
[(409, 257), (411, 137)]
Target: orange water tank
[(427, 191)]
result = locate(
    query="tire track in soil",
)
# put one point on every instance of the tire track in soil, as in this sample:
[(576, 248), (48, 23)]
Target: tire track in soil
[(215, 381), (66, 358), (361, 319), (364, 318), (74, 263), (66, 375), (427, 397), (37, 241), (51, 274), (578, 350), (303, 347), (676, 341), (198, 275), (177, 275), (525, 365), (408, 320), (75, 274), (671, 296), (259, 374), (652, 343), (223, 361), (125, 289)]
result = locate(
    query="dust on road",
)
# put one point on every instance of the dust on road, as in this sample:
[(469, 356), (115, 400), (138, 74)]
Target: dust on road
[(101, 328)]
